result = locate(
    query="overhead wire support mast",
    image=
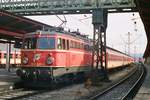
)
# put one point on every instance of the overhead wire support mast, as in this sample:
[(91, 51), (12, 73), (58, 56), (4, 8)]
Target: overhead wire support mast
[(99, 40)]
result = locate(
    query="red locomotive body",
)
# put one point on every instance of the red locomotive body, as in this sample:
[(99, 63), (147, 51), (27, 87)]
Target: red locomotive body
[(46, 55)]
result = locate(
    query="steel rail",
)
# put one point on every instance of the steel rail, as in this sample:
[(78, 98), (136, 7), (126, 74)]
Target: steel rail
[(135, 85), (95, 97), (8, 91), (17, 93)]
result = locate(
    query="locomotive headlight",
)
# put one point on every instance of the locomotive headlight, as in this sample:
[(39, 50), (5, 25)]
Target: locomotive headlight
[(25, 60), (23, 71), (37, 56), (50, 60)]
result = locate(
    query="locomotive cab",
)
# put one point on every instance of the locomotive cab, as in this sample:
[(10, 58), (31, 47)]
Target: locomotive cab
[(35, 48), (37, 56)]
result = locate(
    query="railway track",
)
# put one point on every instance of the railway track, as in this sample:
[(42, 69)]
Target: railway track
[(17, 93), (124, 89), (73, 92)]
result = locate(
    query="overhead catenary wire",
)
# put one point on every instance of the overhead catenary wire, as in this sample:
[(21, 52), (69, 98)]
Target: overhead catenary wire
[(80, 20), (63, 21)]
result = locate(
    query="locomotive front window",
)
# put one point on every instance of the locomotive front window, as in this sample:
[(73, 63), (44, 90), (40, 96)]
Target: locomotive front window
[(30, 43), (46, 43)]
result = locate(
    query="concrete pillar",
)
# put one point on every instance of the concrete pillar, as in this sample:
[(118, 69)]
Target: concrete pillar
[(147, 61)]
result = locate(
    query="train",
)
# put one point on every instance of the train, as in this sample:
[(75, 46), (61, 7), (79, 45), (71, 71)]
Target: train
[(15, 58), (49, 55)]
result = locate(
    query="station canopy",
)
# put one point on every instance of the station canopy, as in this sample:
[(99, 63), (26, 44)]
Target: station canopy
[(13, 27)]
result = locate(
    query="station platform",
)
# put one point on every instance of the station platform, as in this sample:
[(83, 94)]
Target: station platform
[(7, 78), (144, 92)]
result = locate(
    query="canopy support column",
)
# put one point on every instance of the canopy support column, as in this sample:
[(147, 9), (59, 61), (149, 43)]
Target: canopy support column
[(8, 51)]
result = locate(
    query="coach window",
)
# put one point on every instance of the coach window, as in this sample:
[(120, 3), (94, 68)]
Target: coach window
[(85, 47), (11, 55), (16, 55), (79, 45), (76, 45), (5, 55), (19, 56), (71, 44), (90, 48), (82, 46), (59, 43)]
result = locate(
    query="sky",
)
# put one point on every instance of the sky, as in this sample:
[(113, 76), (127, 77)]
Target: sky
[(119, 24)]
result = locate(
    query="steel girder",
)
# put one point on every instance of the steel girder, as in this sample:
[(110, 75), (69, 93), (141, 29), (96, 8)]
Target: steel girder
[(38, 7)]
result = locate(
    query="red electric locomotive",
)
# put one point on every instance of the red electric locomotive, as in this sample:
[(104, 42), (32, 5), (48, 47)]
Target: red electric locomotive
[(52, 54)]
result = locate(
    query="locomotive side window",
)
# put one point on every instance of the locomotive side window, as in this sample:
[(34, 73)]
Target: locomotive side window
[(76, 45), (67, 44), (46, 43), (59, 42), (64, 44), (30, 43)]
